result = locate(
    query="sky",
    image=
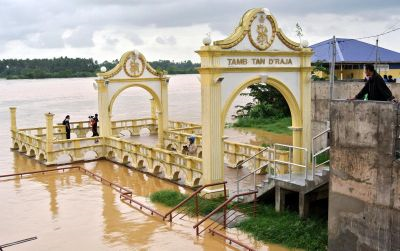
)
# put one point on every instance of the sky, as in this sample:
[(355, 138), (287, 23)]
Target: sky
[(174, 29)]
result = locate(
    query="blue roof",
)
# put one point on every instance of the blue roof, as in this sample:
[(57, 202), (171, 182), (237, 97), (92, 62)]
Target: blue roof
[(353, 51)]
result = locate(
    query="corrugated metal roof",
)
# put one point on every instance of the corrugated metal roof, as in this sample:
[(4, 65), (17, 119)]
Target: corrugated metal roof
[(351, 51)]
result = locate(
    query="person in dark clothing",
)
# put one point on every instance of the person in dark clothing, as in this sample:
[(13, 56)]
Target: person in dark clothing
[(391, 80), (375, 88), (93, 123), (67, 126)]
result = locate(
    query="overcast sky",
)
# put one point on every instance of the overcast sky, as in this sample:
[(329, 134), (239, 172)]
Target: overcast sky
[(174, 29)]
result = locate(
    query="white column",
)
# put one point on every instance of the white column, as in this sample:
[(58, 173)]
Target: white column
[(104, 113)]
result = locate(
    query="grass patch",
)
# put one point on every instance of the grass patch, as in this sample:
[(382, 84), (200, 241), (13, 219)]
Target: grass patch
[(168, 198), (275, 125), (172, 198), (287, 229)]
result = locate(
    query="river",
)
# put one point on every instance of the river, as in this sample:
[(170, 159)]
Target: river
[(71, 211)]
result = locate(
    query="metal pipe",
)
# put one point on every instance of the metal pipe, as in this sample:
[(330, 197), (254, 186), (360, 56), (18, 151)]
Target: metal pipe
[(275, 160), (289, 164)]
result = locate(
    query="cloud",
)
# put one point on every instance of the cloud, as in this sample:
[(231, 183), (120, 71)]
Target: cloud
[(102, 28), (170, 40), (79, 37)]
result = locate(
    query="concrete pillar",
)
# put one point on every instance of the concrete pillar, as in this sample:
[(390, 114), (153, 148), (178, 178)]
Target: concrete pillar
[(13, 118), (364, 182), (104, 112), (279, 199), (304, 205)]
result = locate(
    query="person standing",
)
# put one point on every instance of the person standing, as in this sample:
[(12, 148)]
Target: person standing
[(375, 88), (67, 127), (192, 148), (94, 121)]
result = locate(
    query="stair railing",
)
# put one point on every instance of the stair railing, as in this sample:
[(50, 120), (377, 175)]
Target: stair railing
[(224, 207), (240, 164), (314, 154), (196, 197)]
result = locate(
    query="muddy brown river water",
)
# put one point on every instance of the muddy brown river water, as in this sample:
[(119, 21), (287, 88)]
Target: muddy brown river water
[(70, 211)]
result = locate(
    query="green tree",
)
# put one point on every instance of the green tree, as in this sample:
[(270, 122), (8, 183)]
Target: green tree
[(267, 102)]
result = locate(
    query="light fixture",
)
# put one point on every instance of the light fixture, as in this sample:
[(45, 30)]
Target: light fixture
[(219, 79), (103, 69), (207, 40), (304, 44), (264, 78)]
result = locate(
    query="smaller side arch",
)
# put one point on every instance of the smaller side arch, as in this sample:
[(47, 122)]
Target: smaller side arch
[(41, 157), (16, 146)]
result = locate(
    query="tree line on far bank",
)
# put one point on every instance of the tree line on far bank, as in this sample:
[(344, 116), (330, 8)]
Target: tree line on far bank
[(64, 67)]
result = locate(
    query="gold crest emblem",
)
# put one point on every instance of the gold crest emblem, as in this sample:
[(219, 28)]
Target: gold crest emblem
[(261, 34), (134, 65)]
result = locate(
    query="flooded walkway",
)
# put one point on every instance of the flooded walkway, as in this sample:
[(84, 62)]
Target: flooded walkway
[(71, 211)]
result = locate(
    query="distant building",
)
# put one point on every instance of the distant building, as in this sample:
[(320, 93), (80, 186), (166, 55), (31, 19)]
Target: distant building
[(351, 57)]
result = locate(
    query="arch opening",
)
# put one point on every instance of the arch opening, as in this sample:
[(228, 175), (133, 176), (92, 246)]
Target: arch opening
[(64, 159), (32, 153), (16, 146), (270, 107), (41, 157), (111, 155), (144, 132), (23, 149), (122, 99), (90, 155)]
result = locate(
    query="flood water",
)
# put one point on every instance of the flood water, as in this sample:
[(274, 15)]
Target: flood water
[(70, 211)]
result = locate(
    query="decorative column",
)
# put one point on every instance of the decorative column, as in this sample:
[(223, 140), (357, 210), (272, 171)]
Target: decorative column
[(104, 113), (13, 128), (49, 137), (153, 108), (163, 115), (305, 102), (211, 120), (13, 115)]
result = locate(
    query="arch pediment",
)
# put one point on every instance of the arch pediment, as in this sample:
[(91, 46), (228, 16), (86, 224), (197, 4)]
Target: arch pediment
[(132, 65), (258, 30)]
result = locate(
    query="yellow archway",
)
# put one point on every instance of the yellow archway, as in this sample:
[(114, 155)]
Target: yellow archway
[(148, 89), (281, 87), (256, 47)]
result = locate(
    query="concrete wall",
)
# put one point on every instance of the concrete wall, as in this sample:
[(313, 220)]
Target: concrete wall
[(320, 102), (364, 193)]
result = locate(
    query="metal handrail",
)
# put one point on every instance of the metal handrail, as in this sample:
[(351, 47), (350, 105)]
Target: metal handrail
[(314, 155), (252, 157), (124, 192), (17, 242), (195, 193), (244, 161), (223, 205), (232, 240), (289, 162), (321, 133), (247, 175)]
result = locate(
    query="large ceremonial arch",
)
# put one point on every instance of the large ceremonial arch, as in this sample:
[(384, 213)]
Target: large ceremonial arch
[(256, 52), (133, 71)]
